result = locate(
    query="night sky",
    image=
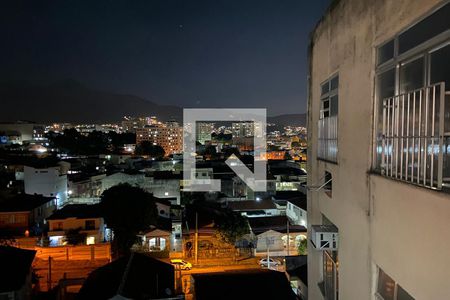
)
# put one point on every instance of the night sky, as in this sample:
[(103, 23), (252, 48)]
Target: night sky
[(211, 53)]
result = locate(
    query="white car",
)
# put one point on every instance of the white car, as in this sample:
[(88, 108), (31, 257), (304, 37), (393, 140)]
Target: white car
[(182, 264), (265, 263)]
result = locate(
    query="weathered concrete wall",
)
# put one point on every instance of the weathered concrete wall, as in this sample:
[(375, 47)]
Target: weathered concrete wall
[(344, 42)]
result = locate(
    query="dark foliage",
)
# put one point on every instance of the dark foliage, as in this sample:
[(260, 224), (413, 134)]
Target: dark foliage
[(127, 210)]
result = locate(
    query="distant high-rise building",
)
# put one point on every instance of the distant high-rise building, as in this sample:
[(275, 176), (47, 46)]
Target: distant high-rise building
[(203, 131), (242, 129), (130, 124), (168, 135)]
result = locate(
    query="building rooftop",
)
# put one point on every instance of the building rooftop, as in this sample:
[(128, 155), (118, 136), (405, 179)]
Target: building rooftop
[(136, 276), (299, 202), (246, 284), (277, 223), (16, 265), (251, 205), (79, 211), (22, 202)]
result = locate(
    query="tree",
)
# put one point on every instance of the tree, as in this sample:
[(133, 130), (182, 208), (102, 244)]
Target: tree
[(303, 247), (230, 226), (287, 156), (147, 148), (75, 236), (127, 210)]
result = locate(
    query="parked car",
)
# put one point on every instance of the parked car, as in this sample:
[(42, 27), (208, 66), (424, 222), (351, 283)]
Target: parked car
[(265, 263), (182, 264)]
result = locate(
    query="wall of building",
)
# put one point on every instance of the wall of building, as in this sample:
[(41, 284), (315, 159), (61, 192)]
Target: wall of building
[(366, 210), (48, 182), (297, 215), (75, 223)]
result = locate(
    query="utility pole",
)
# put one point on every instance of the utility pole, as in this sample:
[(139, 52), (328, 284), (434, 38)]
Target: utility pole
[(288, 238), (196, 238), (49, 284)]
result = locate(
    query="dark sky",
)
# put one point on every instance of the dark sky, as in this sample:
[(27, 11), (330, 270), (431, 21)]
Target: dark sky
[(211, 53)]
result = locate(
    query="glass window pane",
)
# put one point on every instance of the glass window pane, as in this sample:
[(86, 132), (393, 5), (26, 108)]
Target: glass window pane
[(335, 83), (325, 87), (386, 84), (334, 108), (440, 62), (412, 75), (402, 294), (386, 286), (385, 52), (431, 26)]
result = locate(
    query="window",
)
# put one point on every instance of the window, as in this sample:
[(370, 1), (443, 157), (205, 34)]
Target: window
[(327, 124), (385, 52), (412, 75), (329, 277), (89, 224), (58, 226), (329, 98), (412, 81), (330, 270), (386, 286), (431, 26), (439, 62), (328, 182), (388, 289)]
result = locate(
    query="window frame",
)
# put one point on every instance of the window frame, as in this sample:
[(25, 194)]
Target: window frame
[(377, 294), (326, 97), (424, 49)]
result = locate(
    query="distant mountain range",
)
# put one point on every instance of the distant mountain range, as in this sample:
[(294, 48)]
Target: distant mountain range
[(71, 101)]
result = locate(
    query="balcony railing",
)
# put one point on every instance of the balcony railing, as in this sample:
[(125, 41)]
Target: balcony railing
[(328, 139), (414, 139)]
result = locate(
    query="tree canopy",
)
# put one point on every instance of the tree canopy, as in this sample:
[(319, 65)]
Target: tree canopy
[(73, 142), (147, 148), (127, 210), (231, 226)]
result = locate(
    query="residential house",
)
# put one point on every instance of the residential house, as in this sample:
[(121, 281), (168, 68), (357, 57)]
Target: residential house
[(134, 179), (276, 235), (136, 276), (295, 206), (22, 215), (164, 184), (85, 218), (254, 208), (85, 186)]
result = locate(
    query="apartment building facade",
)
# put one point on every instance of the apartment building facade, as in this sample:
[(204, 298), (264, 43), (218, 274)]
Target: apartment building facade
[(378, 161), (169, 136)]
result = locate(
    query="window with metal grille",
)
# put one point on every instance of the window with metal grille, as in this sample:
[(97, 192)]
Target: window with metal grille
[(327, 124), (413, 116)]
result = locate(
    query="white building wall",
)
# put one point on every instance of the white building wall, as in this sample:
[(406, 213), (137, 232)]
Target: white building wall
[(395, 226), (47, 182)]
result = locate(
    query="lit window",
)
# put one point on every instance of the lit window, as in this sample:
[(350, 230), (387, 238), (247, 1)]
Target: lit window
[(388, 289)]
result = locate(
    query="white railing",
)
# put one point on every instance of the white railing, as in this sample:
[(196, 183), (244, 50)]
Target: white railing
[(413, 133), (328, 139)]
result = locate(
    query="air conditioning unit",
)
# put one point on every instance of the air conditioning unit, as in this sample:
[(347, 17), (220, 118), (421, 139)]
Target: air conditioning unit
[(324, 237)]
